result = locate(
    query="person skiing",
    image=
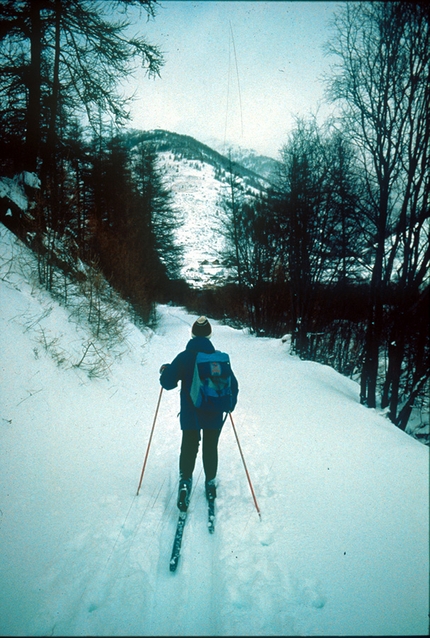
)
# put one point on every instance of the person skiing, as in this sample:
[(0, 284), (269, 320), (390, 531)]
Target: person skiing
[(195, 420)]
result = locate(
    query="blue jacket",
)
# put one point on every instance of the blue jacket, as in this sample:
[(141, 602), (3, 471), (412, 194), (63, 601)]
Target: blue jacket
[(182, 369)]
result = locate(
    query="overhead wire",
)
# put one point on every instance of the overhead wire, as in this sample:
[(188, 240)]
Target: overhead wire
[(228, 92), (232, 45), (237, 75)]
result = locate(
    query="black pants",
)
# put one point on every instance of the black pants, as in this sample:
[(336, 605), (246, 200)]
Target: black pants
[(190, 447)]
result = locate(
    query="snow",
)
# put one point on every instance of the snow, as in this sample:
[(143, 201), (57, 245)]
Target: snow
[(198, 190), (342, 547), (10, 188), (197, 195), (13, 188)]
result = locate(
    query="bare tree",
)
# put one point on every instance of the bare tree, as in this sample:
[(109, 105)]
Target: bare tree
[(317, 222), (381, 82)]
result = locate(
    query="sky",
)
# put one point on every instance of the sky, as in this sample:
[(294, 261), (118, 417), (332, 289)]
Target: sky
[(238, 72), (342, 545)]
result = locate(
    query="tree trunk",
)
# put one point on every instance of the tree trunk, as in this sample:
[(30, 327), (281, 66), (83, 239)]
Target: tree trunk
[(405, 412), (49, 169), (32, 142), (369, 375)]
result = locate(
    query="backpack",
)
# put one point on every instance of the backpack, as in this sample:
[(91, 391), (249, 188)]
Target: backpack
[(211, 384)]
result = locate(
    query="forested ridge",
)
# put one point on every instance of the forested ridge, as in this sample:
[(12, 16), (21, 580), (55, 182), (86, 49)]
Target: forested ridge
[(333, 250)]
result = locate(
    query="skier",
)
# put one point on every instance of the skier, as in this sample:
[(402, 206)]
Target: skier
[(194, 420)]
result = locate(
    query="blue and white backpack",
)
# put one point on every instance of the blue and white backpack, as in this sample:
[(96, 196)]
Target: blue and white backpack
[(211, 385)]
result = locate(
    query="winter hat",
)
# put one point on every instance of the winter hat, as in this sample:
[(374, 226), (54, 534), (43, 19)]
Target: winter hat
[(201, 328)]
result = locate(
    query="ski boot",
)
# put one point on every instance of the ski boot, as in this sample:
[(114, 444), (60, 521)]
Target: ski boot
[(210, 490), (184, 493)]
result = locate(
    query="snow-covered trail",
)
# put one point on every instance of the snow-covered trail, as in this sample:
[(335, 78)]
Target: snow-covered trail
[(210, 604), (200, 599), (342, 548)]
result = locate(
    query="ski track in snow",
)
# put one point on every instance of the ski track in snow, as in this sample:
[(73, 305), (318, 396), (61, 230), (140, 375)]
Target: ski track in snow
[(342, 547)]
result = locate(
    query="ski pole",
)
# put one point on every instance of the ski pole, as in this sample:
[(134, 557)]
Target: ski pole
[(246, 469), (149, 442)]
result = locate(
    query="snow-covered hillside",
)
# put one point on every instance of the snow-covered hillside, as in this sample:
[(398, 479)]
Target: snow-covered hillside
[(342, 547), (197, 176), (197, 196)]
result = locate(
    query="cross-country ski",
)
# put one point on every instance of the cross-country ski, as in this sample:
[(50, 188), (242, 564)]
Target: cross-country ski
[(211, 517), (177, 542)]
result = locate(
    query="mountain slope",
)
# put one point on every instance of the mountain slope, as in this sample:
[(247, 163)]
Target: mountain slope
[(342, 548), (265, 166), (187, 147), (197, 177)]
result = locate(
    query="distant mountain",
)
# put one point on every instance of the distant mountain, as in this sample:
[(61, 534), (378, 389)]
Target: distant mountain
[(263, 165), (256, 171), (196, 174)]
